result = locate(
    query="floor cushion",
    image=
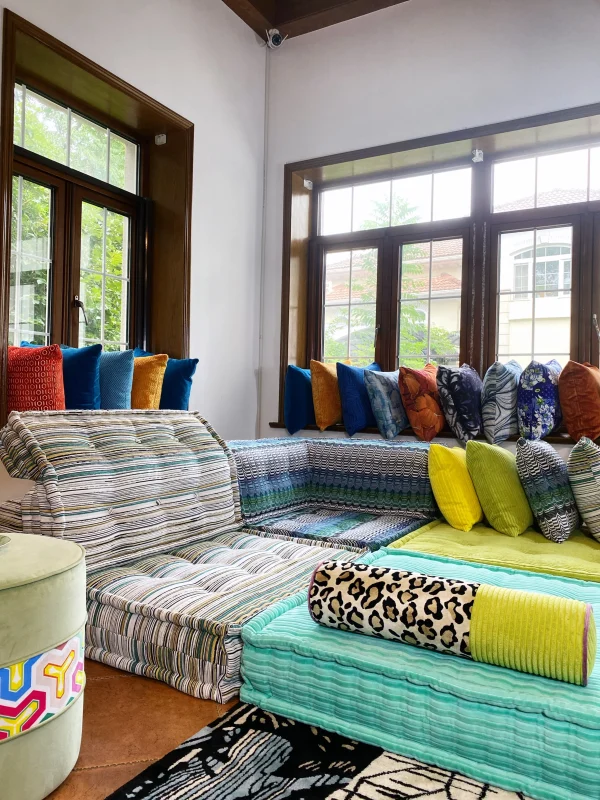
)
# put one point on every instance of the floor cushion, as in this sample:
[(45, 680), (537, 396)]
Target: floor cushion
[(177, 616), (578, 557), (543, 735)]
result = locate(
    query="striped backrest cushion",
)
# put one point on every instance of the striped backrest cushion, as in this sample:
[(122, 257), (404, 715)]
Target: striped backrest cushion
[(122, 483)]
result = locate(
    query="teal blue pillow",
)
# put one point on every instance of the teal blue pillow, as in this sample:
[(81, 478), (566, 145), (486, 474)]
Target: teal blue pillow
[(81, 375), (177, 383), (384, 394), (116, 379), (298, 408), (356, 406)]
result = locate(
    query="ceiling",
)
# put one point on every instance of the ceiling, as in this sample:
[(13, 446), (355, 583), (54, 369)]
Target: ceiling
[(295, 17)]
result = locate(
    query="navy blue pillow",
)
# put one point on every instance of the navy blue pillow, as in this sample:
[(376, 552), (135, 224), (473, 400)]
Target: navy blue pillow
[(460, 389), (81, 375), (356, 406), (177, 383), (298, 408)]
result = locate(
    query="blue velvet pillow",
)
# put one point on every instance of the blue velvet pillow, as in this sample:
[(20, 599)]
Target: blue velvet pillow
[(459, 389), (177, 383), (356, 407), (116, 379), (384, 393), (538, 406), (298, 408), (81, 375)]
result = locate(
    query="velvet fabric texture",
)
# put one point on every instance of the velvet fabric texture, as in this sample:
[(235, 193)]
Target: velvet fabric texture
[(421, 401), (116, 379), (35, 379), (148, 377), (298, 408), (384, 394), (453, 488), (459, 389), (177, 383), (356, 406), (579, 394), (538, 404), (326, 394), (81, 375)]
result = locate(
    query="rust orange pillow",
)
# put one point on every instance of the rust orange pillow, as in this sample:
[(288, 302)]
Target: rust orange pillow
[(579, 395), (418, 389), (35, 379), (326, 394), (148, 377)]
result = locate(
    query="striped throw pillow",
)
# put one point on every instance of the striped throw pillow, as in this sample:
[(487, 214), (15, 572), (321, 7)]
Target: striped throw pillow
[(584, 473), (499, 401), (545, 479)]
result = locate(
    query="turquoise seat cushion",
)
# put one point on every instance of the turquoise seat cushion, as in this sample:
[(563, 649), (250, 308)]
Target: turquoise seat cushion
[(510, 729)]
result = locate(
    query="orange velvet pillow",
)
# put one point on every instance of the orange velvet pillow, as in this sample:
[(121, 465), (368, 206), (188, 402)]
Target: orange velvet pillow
[(579, 394), (35, 379), (326, 394), (421, 401), (148, 377)]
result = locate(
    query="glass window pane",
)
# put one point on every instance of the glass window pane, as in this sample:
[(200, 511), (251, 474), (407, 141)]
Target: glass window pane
[(337, 278), (116, 297), (46, 126), (18, 118), (336, 211), (30, 263), (123, 163), (444, 329), (516, 253), (562, 178), (413, 332), (411, 200), (92, 237), (89, 148), (371, 206), (335, 333), (452, 194), (515, 326), (117, 244), (415, 264), (90, 292), (595, 173), (362, 334), (514, 185), (364, 276), (446, 267)]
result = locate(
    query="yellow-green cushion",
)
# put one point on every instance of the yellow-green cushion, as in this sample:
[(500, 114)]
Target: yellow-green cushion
[(494, 473), (452, 486), (578, 557)]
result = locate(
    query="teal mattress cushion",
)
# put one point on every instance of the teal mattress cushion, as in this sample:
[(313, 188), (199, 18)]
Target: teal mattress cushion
[(517, 731)]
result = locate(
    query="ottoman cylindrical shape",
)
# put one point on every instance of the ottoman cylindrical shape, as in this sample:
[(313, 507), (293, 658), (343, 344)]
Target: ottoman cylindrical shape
[(42, 679)]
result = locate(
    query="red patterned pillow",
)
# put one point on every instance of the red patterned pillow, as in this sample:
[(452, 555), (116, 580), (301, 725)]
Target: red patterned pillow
[(35, 379)]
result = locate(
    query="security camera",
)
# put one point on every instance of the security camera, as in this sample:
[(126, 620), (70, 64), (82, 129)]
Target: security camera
[(275, 39)]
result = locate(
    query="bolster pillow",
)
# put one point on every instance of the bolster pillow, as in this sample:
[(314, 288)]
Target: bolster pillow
[(554, 637)]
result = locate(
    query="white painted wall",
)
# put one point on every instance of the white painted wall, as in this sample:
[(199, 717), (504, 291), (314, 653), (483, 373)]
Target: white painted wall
[(199, 59), (420, 68)]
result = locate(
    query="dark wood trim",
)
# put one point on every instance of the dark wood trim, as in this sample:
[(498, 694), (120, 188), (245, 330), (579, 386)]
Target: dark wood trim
[(260, 16), (299, 16), (285, 284)]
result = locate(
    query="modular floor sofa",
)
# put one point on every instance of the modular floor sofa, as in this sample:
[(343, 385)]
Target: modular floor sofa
[(356, 493), (153, 499)]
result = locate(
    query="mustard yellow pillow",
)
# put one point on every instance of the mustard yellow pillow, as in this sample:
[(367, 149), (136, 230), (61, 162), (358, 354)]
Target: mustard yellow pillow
[(453, 488), (148, 376), (326, 394)]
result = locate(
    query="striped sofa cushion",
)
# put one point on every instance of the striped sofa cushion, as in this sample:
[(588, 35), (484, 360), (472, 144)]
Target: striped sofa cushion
[(584, 475), (121, 482)]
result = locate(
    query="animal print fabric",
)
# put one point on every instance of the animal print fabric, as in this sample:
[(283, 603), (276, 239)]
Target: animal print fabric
[(417, 609)]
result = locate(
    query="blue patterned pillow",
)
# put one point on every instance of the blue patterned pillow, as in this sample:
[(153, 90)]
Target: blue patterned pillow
[(545, 480), (499, 401), (116, 378), (298, 408), (356, 408), (459, 389), (538, 406), (386, 403)]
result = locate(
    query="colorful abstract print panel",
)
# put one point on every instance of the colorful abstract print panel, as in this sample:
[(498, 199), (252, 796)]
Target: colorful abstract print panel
[(41, 687), (538, 406), (460, 397), (499, 401)]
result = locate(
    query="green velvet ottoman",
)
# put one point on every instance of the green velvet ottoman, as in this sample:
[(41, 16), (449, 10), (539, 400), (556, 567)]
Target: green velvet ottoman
[(42, 619)]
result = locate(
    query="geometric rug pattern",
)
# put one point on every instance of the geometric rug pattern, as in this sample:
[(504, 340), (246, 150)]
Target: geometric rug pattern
[(251, 753)]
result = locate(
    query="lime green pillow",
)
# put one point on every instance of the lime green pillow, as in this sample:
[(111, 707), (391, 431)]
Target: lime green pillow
[(494, 474)]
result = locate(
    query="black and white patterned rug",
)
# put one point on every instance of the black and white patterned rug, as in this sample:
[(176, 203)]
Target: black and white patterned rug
[(251, 753)]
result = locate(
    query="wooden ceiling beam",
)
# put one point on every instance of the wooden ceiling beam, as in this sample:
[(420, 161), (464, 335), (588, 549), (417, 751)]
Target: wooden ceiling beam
[(257, 14), (295, 17)]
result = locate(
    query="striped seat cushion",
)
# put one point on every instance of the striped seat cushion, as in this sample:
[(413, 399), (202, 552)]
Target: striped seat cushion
[(177, 616), (121, 482)]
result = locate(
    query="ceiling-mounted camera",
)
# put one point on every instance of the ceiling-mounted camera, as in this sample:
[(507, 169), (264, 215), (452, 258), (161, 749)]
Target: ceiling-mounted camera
[(275, 39)]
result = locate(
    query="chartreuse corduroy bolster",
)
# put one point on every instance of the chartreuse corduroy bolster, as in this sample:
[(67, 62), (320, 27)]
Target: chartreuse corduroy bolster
[(554, 637)]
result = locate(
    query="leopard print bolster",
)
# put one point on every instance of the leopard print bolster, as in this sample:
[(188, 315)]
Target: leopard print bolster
[(409, 607)]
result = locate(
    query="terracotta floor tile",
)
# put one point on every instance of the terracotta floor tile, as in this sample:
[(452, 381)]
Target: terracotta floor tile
[(96, 784)]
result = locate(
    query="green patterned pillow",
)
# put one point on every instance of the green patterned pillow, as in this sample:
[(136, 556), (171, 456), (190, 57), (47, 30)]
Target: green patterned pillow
[(494, 474), (545, 480), (584, 473)]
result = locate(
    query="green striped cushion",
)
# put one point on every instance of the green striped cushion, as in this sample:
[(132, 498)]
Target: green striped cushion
[(584, 473)]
